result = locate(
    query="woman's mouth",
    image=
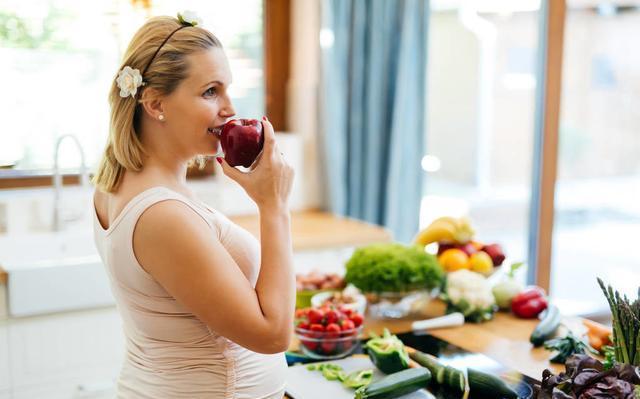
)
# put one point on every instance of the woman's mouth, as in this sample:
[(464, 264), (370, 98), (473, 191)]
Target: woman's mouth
[(215, 130)]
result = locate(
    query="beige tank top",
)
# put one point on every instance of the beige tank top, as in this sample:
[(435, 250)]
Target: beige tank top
[(170, 353)]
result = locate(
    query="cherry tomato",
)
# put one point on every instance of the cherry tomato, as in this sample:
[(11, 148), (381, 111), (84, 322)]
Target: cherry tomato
[(328, 347), (345, 310), (311, 345), (357, 319), (315, 316), (332, 330), (348, 325), (331, 316)]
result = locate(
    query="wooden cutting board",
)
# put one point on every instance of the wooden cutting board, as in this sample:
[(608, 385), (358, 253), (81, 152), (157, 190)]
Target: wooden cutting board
[(306, 384)]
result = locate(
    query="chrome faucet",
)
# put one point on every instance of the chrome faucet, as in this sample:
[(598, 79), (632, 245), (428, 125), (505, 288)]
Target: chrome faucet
[(57, 177)]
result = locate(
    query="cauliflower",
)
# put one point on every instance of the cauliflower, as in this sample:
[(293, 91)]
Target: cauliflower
[(469, 293)]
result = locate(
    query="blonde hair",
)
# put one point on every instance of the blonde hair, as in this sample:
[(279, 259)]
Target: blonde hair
[(164, 72)]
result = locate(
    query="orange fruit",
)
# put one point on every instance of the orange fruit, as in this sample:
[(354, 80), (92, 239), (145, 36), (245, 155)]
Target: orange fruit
[(481, 262), (453, 259)]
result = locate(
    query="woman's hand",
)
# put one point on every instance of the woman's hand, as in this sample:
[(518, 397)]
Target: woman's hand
[(269, 182)]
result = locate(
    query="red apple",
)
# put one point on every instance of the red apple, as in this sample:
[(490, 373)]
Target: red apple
[(241, 141), (468, 248), (443, 246), (495, 252)]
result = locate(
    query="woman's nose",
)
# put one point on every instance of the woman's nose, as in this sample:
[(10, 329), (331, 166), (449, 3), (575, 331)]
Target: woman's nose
[(228, 110)]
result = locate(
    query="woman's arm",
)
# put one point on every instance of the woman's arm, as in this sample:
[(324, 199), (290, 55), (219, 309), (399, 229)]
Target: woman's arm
[(174, 244), (276, 286)]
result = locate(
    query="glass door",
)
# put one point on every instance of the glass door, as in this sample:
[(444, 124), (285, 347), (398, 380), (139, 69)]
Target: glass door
[(481, 110), (597, 202)]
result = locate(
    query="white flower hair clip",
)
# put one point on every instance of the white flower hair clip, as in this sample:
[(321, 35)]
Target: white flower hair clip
[(129, 79), (190, 18)]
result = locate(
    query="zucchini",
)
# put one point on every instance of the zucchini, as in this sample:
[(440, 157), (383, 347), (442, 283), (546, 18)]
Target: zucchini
[(441, 376), (396, 384), (487, 386), (454, 379), (547, 326), (427, 361), (444, 376)]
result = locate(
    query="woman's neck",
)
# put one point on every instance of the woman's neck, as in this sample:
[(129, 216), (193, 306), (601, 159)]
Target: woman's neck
[(161, 160), (171, 170)]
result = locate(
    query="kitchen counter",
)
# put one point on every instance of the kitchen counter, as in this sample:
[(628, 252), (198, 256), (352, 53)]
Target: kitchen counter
[(319, 230), (311, 230), (505, 339)]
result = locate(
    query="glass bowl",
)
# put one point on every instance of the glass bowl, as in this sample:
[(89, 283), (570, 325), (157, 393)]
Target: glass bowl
[(358, 305), (328, 345), (396, 305)]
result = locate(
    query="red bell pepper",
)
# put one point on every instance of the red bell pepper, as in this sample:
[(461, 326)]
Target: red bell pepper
[(529, 303)]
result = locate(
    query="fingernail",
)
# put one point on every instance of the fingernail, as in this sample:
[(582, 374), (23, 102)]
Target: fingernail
[(264, 118), (219, 160)]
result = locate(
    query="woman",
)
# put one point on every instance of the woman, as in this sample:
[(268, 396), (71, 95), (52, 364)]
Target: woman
[(207, 310)]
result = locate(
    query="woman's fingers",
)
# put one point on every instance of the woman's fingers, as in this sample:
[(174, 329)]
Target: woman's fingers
[(231, 172), (269, 136)]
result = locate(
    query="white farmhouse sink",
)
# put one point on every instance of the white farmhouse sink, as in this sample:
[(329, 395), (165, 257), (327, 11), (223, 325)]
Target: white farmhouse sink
[(52, 272)]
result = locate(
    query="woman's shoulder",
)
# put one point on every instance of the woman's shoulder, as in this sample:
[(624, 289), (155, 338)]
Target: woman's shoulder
[(164, 201)]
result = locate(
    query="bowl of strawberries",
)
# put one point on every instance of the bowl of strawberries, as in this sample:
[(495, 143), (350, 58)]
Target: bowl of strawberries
[(328, 332)]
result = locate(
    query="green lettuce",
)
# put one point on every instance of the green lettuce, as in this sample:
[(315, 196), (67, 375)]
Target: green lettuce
[(393, 267)]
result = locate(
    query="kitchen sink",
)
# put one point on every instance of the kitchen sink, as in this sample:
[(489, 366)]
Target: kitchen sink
[(53, 272)]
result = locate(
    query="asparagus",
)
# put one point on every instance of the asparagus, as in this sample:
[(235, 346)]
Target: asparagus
[(626, 325)]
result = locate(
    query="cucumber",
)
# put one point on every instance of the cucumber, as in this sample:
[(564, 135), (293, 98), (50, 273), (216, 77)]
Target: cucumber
[(396, 384), (445, 376), (487, 386), (454, 379), (441, 377), (429, 362), (547, 326)]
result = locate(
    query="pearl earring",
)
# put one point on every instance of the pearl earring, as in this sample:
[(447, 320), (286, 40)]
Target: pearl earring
[(161, 117)]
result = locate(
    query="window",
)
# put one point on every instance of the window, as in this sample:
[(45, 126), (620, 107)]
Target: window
[(59, 58), (597, 213), (481, 88)]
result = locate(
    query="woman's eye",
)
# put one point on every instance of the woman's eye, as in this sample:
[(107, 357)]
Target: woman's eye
[(210, 92)]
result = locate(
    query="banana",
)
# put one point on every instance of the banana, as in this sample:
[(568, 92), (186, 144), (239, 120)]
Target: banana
[(439, 230), (464, 232), (446, 228), (446, 219)]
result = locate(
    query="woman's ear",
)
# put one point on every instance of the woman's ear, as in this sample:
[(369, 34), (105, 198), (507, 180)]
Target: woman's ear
[(152, 104)]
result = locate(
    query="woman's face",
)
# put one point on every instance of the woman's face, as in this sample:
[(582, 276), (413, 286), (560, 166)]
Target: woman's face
[(199, 103)]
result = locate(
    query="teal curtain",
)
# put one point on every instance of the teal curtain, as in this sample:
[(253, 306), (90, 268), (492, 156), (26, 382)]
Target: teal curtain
[(373, 96)]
